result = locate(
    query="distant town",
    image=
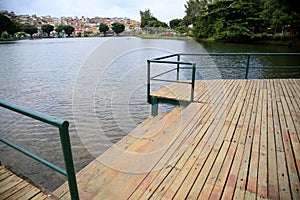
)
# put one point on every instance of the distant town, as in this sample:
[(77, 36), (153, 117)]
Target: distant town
[(82, 25)]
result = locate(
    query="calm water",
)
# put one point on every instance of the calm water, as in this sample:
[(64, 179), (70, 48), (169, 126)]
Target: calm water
[(98, 85)]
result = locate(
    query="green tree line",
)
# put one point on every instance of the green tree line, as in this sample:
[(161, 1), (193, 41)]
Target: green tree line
[(242, 19), (233, 20)]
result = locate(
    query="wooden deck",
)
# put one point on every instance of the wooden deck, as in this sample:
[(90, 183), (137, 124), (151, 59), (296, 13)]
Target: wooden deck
[(13, 187), (239, 140)]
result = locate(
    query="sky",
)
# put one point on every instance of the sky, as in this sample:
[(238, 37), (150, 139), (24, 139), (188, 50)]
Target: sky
[(163, 10)]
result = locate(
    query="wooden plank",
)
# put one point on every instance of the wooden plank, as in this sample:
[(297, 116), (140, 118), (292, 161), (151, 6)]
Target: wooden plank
[(195, 148), (206, 151), (250, 195), (167, 174), (5, 175), (63, 191), (272, 159), (295, 84), (2, 170), (227, 148), (199, 151), (140, 130), (237, 160), (173, 172), (232, 152), (209, 168), (163, 159), (9, 183), (20, 193), (14, 189), (171, 91), (262, 178), (184, 92), (243, 172), (213, 90), (254, 159), (161, 91), (146, 143), (291, 123), (200, 89), (283, 182), (109, 184), (146, 131), (114, 153), (33, 192), (294, 107), (5, 184), (292, 173), (40, 196)]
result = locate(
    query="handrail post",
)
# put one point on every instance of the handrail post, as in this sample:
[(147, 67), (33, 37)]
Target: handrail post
[(193, 82), (178, 60), (247, 67), (154, 106), (67, 152), (148, 82)]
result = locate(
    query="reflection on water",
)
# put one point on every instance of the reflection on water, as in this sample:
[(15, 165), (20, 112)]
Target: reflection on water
[(44, 75)]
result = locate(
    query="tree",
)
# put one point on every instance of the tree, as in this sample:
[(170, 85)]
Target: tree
[(182, 29), (118, 27), (229, 20), (174, 23), (193, 9), (241, 19), (30, 29), (47, 28), (59, 30), (148, 20), (68, 29), (14, 28), (146, 16), (6, 24), (275, 15), (103, 28)]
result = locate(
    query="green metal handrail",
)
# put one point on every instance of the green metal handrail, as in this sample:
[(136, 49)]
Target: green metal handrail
[(178, 62), (63, 127)]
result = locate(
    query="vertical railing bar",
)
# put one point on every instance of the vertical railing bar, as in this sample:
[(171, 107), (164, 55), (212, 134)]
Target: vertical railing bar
[(193, 82), (67, 152), (154, 106), (178, 60), (148, 82), (247, 67)]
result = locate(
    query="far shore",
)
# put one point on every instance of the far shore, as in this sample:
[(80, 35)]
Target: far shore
[(295, 42)]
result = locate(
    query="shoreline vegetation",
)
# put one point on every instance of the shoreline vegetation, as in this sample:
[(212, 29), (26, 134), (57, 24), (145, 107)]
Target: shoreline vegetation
[(283, 41)]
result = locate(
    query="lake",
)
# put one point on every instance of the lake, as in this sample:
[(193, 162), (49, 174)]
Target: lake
[(99, 86)]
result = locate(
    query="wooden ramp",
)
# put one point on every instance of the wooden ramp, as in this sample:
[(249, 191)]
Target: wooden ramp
[(240, 140), (13, 187)]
